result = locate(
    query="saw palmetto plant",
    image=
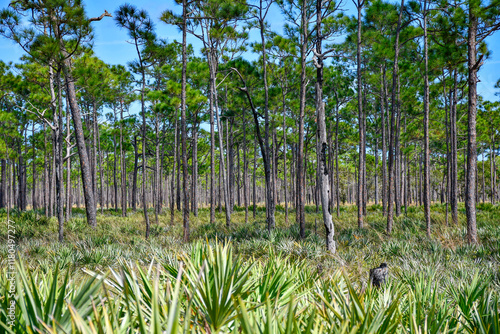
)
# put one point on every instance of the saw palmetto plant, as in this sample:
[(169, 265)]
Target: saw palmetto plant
[(209, 289)]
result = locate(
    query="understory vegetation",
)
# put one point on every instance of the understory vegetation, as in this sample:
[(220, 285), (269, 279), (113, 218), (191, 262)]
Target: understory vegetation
[(247, 280)]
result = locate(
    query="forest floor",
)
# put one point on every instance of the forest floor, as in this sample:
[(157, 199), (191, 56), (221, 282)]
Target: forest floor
[(118, 239), (438, 284)]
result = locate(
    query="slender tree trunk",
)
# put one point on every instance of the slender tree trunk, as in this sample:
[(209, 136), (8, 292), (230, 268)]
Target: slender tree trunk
[(178, 175), (156, 174), (427, 176), (101, 172), (383, 99), (194, 201), (115, 180), (245, 167), (254, 194), (3, 192), (221, 153), (212, 140), (484, 184), (393, 112), (270, 200), (123, 166), (33, 163), (361, 116), (337, 157), (448, 165), (454, 153), (69, 191), (322, 145), (134, 177), (183, 127), (172, 183), (301, 180), (492, 171), (80, 143), (470, 198), (94, 154), (376, 170), (284, 160), (59, 158), (397, 135)]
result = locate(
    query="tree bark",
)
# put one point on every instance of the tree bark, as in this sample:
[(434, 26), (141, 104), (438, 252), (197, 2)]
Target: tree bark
[(361, 117), (427, 175), (395, 71), (183, 127), (80, 143), (245, 167), (284, 160), (470, 198), (383, 99), (301, 182), (123, 168), (172, 183), (270, 200), (322, 145), (454, 152)]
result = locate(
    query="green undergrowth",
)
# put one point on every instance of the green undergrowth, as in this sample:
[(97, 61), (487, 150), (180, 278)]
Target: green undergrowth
[(243, 278)]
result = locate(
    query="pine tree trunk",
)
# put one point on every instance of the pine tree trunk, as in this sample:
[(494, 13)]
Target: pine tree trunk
[(397, 135), (69, 191), (427, 176), (156, 174), (391, 136), (59, 158), (172, 183), (3, 187), (134, 177), (454, 153), (304, 39), (284, 160), (123, 165), (101, 172), (337, 157), (470, 198), (33, 164), (212, 142), (376, 170), (254, 193), (383, 99), (361, 117), (185, 175), (194, 201), (322, 145), (266, 154), (245, 167), (221, 149), (80, 141)]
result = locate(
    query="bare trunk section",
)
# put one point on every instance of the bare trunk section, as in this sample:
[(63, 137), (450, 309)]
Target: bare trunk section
[(454, 152), (301, 180), (172, 183), (322, 145), (361, 118), (470, 198), (80, 143), (427, 175), (383, 99), (390, 206), (183, 128), (123, 167), (270, 200)]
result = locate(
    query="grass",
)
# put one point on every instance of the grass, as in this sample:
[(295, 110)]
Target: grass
[(245, 279)]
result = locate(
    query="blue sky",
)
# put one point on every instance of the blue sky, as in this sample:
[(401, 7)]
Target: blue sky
[(111, 45)]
